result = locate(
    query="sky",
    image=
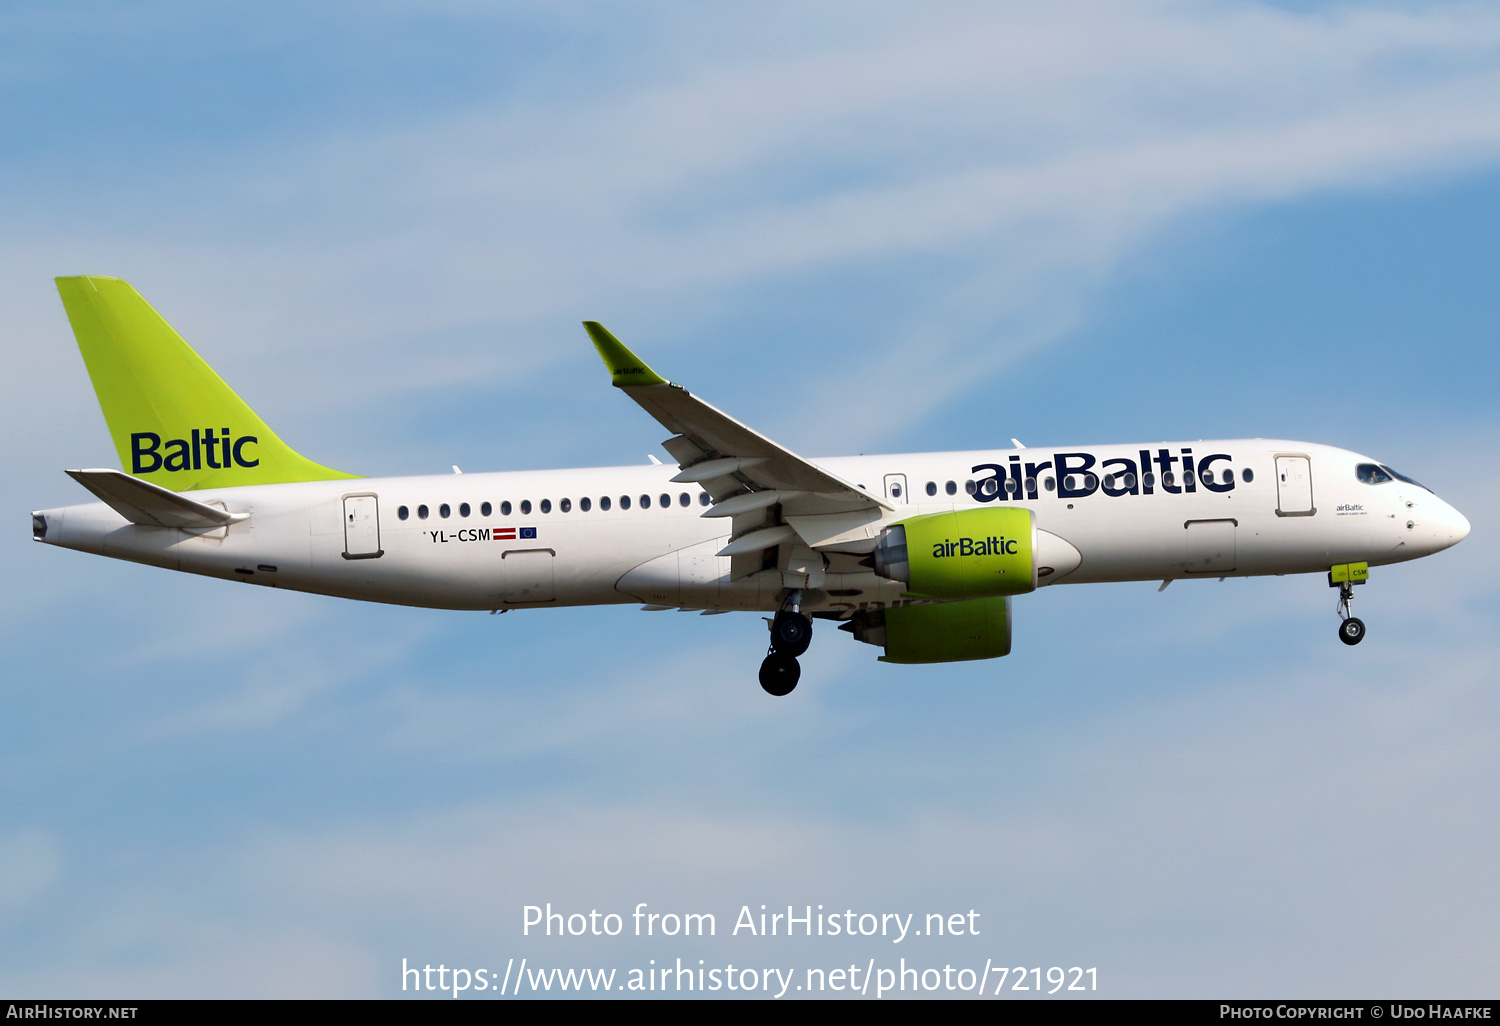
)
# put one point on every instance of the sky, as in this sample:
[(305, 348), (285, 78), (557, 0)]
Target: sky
[(860, 228)]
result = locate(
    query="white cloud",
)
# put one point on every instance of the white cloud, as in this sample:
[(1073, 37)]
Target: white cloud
[(1309, 833), (1029, 149)]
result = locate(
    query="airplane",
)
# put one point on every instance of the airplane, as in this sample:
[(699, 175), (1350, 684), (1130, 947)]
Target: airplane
[(919, 554)]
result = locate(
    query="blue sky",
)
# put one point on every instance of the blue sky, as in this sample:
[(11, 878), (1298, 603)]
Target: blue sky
[(859, 228)]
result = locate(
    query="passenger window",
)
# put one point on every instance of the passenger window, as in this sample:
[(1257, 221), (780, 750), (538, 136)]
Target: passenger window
[(931, 487), (546, 505), (1049, 484), (645, 502), (1070, 483), (666, 501), (421, 512), (565, 505), (1207, 476), (969, 487), (1149, 480), (1247, 475), (1011, 487), (505, 508), (445, 511), (1109, 480), (624, 502), (525, 506), (704, 499), (584, 504), (1229, 477), (951, 487), (1129, 480), (604, 503), (1030, 484), (403, 513), (485, 509), (684, 499), (1169, 479), (463, 509)]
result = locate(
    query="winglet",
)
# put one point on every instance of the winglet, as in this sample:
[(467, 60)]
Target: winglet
[(625, 367)]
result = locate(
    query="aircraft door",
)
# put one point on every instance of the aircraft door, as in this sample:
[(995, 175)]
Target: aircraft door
[(528, 575), (895, 487), (1294, 494), (361, 527)]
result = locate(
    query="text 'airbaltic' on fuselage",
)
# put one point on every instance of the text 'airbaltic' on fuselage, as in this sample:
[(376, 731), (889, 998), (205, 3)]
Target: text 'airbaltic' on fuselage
[(1076, 476)]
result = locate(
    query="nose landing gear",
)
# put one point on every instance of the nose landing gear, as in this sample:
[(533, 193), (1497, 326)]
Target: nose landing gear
[(791, 633), (1344, 578), (1352, 630)]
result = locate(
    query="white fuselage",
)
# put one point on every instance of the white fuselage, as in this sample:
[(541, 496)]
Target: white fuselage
[(298, 536)]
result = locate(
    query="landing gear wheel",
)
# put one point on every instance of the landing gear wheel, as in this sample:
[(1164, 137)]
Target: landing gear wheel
[(791, 633), (779, 674), (1351, 631)]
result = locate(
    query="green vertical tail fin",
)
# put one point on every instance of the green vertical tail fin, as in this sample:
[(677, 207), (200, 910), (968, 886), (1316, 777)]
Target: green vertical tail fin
[(174, 421)]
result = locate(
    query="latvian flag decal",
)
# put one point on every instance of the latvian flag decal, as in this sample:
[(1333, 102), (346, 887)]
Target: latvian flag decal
[(509, 533)]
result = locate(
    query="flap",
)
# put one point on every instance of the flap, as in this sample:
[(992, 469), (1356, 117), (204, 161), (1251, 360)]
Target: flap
[(149, 505)]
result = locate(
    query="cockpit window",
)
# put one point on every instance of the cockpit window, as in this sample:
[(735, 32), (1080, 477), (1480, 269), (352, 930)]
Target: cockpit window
[(1402, 477), (1369, 473)]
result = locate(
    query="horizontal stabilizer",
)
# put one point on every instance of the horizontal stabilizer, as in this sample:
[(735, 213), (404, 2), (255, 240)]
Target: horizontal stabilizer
[(149, 505)]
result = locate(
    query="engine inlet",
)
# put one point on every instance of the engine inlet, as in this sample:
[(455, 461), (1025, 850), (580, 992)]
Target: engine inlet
[(889, 560)]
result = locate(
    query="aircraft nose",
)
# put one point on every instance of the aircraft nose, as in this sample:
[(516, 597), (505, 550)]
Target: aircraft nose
[(1453, 523), (1459, 525)]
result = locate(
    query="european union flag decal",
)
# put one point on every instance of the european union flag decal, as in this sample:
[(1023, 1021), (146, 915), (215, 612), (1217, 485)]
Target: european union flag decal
[(528, 532)]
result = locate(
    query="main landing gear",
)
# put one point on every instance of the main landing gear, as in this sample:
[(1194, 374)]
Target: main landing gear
[(791, 633)]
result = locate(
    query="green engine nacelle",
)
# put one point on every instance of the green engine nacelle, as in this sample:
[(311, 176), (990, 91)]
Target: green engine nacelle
[(937, 632), (970, 553), (946, 632)]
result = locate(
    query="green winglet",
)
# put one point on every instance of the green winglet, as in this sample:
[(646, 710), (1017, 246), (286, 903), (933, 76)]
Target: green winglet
[(625, 367)]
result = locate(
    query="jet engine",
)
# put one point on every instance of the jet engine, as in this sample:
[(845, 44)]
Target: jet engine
[(963, 554), (937, 632)]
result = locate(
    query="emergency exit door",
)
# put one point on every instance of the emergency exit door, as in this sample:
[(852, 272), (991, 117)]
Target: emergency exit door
[(895, 487), (361, 527), (1294, 491)]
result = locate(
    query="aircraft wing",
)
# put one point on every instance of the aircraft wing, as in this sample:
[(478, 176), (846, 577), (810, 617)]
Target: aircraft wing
[(772, 494)]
